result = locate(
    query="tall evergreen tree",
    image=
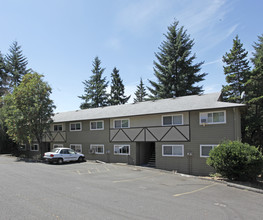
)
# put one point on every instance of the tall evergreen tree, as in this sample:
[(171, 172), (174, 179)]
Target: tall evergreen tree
[(117, 96), (254, 98), (3, 76), (95, 88), (237, 72), (140, 93), (16, 64), (175, 71)]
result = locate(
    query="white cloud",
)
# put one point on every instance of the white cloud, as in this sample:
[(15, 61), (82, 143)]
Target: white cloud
[(114, 43), (198, 17), (212, 62), (139, 14)]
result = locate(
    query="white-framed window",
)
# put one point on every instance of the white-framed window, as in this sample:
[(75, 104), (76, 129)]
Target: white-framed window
[(217, 117), (172, 120), (205, 149), (22, 147), (34, 147), (173, 150), (76, 126), (121, 123), (58, 127), (57, 145), (76, 147), (97, 148), (122, 149), (96, 125)]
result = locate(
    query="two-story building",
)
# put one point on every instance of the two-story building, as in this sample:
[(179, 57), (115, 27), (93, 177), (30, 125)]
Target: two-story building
[(171, 134)]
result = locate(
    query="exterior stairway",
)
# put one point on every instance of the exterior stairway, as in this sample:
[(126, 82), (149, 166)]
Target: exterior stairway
[(151, 162)]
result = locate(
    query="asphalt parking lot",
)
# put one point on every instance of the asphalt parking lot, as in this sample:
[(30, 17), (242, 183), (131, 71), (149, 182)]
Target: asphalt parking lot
[(92, 190)]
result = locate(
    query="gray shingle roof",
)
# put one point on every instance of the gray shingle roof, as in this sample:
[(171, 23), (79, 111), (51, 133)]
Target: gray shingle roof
[(180, 104)]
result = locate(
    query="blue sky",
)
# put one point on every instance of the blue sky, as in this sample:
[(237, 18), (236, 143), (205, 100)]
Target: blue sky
[(61, 38)]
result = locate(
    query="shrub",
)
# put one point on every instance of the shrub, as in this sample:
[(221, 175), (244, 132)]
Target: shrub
[(236, 160)]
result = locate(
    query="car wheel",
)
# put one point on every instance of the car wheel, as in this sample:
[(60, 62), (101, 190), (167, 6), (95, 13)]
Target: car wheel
[(60, 160), (81, 159)]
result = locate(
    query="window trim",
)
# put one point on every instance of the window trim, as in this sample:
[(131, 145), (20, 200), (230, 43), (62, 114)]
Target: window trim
[(121, 145), (121, 123), (57, 125), (75, 123), (96, 125), (76, 145), (172, 119), (210, 123), (58, 146), (172, 145), (32, 146), (95, 145), (206, 145)]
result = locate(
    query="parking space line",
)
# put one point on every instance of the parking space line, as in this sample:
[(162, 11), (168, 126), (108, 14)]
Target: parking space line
[(194, 191), (135, 179)]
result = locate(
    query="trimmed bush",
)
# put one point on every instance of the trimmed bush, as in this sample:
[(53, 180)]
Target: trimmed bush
[(236, 160)]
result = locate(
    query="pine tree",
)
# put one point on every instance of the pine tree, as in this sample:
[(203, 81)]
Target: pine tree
[(117, 96), (237, 72), (140, 93), (3, 76), (95, 88), (254, 98), (175, 72), (16, 64)]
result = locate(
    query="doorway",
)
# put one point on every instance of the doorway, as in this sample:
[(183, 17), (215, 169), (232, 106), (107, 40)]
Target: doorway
[(145, 154)]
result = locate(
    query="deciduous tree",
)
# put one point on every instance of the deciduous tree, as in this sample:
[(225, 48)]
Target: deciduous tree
[(28, 110)]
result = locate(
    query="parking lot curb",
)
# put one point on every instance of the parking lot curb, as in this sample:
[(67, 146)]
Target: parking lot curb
[(235, 185)]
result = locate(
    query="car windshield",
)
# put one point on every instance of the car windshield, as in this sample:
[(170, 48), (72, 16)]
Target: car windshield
[(55, 150)]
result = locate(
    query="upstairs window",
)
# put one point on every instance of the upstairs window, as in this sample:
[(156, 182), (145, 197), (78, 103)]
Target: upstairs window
[(218, 117), (96, 125), (58, 127), (75, 126), (172, 120), (122, 123)]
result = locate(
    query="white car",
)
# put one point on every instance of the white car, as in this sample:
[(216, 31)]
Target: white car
[(61, 155)]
